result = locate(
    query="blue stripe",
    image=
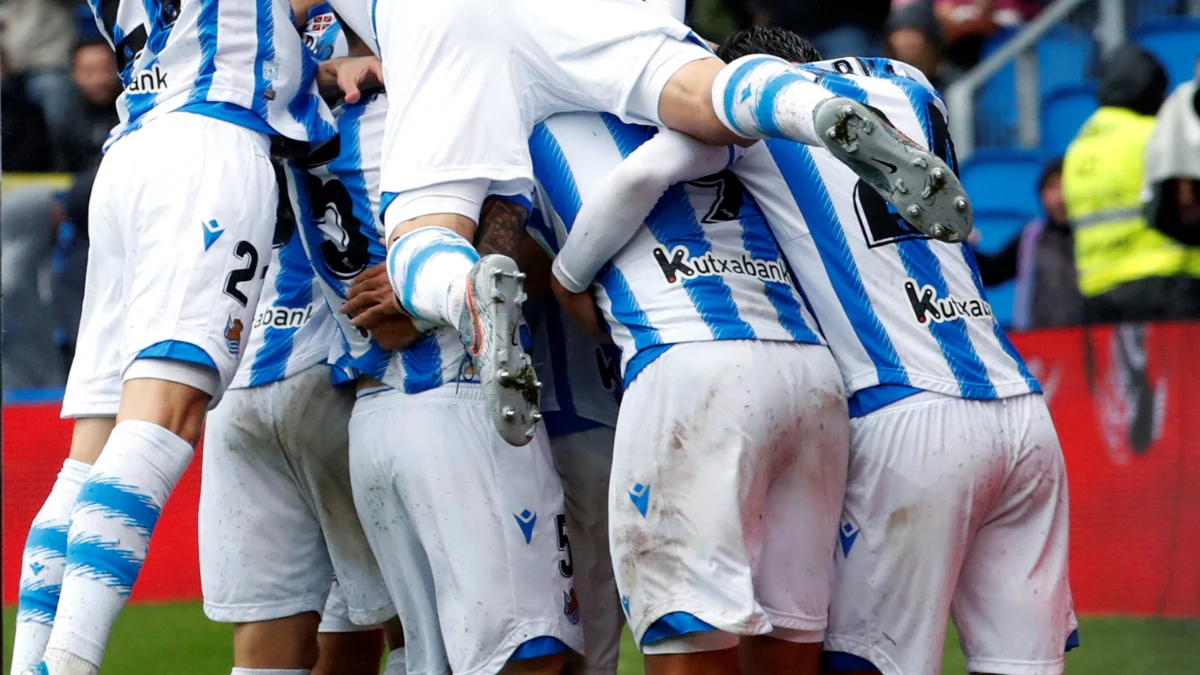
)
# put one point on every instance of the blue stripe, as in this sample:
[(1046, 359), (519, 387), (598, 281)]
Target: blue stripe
[(734, 82), (38, 604), (673, 625), (625, 309), (449, 244), (175, 350), (206, 34), (673, 223), (1005, 344), (265, 28), (952, 338), (538, 647), (764, 110), (117, 500), (760, 243), (305, 107), (103, 561), (294, 288), (158, 31), (558, 181), (422, 365), (803, 179), (50, 541)]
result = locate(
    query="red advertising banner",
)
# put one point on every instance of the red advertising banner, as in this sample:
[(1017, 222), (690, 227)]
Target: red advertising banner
[(1126, 401)]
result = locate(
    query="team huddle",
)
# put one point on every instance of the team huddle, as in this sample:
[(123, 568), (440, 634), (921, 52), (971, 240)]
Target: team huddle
[(556, 322)]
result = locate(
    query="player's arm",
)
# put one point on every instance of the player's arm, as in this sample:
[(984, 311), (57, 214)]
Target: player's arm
[(609, 219)]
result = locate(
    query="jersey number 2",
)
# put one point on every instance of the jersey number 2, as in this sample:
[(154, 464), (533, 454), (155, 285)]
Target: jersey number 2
[(246, 252)]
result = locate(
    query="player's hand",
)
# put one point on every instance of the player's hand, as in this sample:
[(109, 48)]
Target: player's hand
[(582, 308), (396, 333), (371, 301), (349, 76)]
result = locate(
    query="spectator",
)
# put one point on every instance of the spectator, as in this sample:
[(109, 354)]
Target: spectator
[(94, 73), (966, 23), (38, 35), (24, 141), (836, 29), (1042, 260), (1172, 191), (915, 38), (1128, 271)]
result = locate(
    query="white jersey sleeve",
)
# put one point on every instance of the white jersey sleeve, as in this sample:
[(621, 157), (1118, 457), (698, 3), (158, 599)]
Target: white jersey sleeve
[(241, 61), (899, 309), (704, 268)]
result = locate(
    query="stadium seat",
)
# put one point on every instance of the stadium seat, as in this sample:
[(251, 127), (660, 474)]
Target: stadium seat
[(1004, 179), (1065, 58), (1063, 113), (997, 227), (1176, 42), (995, 109)]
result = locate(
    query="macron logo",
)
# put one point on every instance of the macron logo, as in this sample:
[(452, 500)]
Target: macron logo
[(212, 232), (526, 520), (847, 534), (640, 496)]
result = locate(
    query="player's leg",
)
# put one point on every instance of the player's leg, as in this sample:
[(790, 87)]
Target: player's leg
[(915, 495), (803, 506), (346, 648), (1013, 605), (584, 461), (92, 397), (503, 552), (263, 562), (440, 161), (197, 206)]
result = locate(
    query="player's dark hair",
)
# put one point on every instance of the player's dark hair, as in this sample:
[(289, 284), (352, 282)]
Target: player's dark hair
[(770, 40), (90, 41)]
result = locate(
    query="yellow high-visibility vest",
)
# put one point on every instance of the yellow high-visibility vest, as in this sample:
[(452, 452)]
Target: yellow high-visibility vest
[(1102, 184)]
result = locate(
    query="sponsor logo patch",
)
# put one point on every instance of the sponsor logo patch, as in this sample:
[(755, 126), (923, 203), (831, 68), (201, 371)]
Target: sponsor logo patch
[(928, 308), (233, 335)]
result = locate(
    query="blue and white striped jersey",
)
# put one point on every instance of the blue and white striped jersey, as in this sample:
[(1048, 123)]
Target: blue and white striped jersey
[(704, 268), (241, 61), (899, 309), (323, 34), (581, 380), (344, 239), (293, 326)]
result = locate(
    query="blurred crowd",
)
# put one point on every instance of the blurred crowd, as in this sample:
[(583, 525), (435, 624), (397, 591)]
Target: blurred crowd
[(59, 83)]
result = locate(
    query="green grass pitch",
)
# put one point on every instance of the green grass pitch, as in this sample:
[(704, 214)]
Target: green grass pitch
[(177, 638)]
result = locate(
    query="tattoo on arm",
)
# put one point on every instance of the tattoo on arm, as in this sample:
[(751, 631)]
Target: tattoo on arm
[(501, 224)]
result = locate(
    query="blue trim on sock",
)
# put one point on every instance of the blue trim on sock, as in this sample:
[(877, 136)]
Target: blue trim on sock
[(123, 502), (1072, 641), (176, 350), (51, 540), (843, 661), (105, 562), (673, 625), (538, 647), (38, 604)]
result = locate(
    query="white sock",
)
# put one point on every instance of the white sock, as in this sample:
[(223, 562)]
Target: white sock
[(396, 663), (268, 671), (42, 566), (59, 662), (111, 525), (765, 97), (428, 269)]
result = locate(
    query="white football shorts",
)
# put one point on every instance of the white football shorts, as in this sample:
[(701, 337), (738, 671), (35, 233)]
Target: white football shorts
[(476, 76), (335, 618), (727, 483), (583, 461), (277, 519), (180, 222), (954, 507), (468, 530)]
